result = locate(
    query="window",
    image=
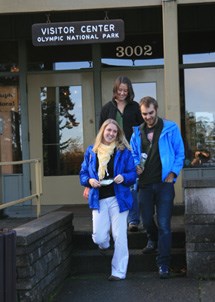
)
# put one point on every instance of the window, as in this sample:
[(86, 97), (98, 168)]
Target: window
[(64, 57), (9, 56), (148, 88), (72, 65), (62, 130), (200, 117), (199, 58), (133, 63)]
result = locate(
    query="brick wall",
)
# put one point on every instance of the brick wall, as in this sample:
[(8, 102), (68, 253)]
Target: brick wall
[(200, 227), (43, 255)]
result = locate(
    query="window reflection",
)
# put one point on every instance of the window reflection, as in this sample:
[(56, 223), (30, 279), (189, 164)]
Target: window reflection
[(129, 62), (148, 89), (72, 65), (62, 130), (9, 56), (64, 57), (10, 124), (200, 117), (60, 66), (199, 58)]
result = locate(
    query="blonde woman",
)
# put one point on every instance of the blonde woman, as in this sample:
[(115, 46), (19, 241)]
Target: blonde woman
[(126, 111), (108, 170)]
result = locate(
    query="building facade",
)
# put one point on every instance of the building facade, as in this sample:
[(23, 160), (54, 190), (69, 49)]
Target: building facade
[(51, 92)]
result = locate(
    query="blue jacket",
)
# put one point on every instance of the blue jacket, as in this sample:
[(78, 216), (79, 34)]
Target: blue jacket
[(123, 164), (171, 148)]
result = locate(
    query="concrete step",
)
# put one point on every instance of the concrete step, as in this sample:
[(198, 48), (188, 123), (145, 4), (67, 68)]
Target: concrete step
[(137, 240), (91, 261), (87, 259)]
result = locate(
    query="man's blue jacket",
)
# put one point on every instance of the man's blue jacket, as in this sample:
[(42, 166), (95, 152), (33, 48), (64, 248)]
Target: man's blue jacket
[(123, 164), (171, 148)]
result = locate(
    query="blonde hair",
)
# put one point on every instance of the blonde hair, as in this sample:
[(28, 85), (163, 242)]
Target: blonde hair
[(121, 142)]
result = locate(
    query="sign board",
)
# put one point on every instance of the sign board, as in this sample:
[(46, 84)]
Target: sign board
[(8, 98), (81, 32)]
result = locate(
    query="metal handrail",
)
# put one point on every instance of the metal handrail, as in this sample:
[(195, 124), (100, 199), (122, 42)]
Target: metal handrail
[(38, 184)]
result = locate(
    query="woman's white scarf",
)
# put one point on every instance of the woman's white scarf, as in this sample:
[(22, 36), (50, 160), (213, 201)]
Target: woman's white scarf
[(104, 154)]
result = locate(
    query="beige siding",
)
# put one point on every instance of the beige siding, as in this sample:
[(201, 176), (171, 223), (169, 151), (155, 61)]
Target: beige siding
[(19, 6)]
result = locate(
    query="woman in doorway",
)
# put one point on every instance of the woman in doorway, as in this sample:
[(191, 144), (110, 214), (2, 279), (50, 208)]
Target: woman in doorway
[(122, 108), (108, 170), (126, 112)]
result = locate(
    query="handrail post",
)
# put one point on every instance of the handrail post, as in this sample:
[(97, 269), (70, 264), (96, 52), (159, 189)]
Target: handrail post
[(1, 184), (38, 186)]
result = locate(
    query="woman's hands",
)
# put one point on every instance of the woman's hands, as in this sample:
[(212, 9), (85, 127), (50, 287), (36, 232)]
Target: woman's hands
[(119, 179), (96, 183)]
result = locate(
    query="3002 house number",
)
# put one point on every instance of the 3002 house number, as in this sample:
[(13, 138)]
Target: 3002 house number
[(130, 51)]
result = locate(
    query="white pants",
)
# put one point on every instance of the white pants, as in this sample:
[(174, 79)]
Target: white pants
[(107, 219)]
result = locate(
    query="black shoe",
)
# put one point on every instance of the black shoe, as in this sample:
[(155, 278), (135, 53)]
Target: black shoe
[(133, 227), (3, 215), (103, 252), (114, 278), (151, 247), (163, 271)]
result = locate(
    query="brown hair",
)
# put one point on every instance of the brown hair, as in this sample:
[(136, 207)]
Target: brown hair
[(147, 101), (123, 80)]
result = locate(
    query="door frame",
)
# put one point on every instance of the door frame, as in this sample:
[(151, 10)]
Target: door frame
[(59, 189)]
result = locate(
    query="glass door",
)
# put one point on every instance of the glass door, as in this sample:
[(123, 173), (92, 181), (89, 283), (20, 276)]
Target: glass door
[(61, 121)]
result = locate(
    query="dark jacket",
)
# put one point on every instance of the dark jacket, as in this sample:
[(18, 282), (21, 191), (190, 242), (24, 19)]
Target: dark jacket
[(131, 116)]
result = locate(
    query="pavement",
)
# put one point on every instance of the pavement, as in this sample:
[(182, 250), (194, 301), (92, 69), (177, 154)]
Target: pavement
[(138, 286), (146, 287)]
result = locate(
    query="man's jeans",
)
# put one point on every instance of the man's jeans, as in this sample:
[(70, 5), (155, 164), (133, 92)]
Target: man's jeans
[(158, 199), (134, 214)]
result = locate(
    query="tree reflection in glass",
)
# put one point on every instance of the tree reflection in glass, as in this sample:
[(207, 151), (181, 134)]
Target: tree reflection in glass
[(62, 130)]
